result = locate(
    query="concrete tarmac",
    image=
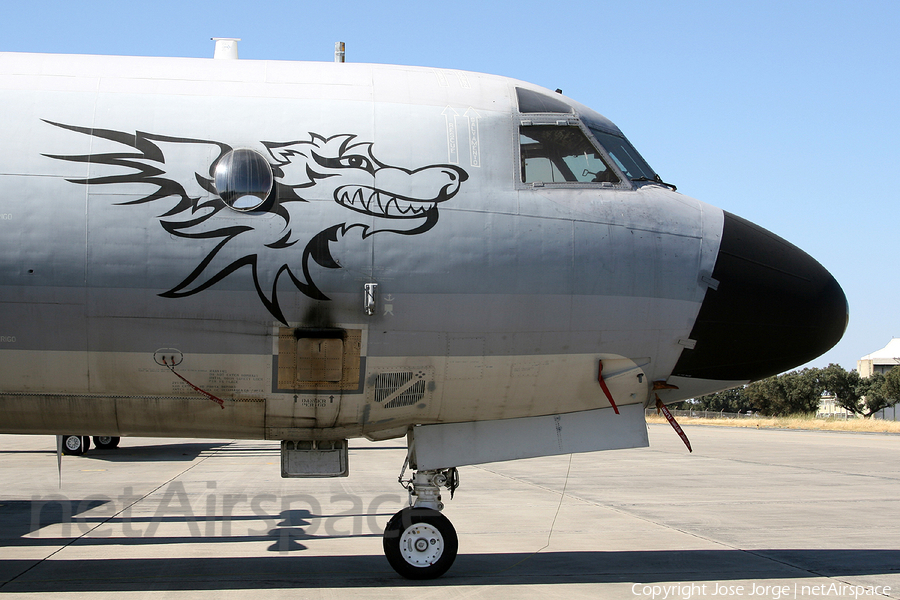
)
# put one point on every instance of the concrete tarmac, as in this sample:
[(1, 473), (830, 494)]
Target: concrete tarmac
[(757, 514)]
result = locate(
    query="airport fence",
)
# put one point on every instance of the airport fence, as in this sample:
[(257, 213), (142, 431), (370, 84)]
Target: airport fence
[(889, 414), (705, 414)]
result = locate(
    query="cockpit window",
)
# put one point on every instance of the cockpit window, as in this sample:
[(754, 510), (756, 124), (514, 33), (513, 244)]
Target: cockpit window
[(559, 153), (626, 157), (534, 102)]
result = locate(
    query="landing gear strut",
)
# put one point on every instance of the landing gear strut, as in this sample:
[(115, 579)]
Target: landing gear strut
[(419, 542)]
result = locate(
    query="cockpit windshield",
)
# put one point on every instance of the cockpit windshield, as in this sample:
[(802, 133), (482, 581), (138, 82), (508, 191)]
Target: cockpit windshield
[(625, 156), (558, 154)]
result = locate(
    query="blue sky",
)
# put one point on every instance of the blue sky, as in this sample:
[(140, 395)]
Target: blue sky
[(785, 113)]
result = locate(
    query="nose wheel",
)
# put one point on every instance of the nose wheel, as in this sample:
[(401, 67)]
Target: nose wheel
[(420, 543)]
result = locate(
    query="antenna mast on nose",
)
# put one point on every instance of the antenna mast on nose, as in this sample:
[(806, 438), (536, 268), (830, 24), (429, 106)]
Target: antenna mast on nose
[(226, 48)]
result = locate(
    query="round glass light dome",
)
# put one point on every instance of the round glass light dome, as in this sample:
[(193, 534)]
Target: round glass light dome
[(244, 179)]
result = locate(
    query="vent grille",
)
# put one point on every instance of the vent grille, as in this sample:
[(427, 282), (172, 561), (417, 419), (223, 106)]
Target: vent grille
[(400, 389)]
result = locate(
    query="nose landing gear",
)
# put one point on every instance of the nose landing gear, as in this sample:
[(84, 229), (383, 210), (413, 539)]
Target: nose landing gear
[(419, 542)]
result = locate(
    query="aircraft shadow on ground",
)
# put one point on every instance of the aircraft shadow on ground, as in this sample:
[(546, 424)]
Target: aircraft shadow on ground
[(137, 453), (228, 573), (285, 564), (22, 520), (134, 452), (150, 452)]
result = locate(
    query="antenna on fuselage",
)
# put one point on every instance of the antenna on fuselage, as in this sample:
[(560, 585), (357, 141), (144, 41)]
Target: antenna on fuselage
[(226, 48), (339, 52)]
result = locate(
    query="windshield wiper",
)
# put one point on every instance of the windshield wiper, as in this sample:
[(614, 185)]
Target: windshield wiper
[(656, 179)]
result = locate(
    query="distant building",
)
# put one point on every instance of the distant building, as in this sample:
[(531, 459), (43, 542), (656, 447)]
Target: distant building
[(880, 361), (891, 413), (830, 409)]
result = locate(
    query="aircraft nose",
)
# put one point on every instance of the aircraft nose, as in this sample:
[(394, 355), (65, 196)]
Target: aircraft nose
[(775, 308)]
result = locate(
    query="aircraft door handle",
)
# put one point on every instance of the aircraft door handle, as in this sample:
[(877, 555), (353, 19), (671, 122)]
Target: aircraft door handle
[(369, 303)]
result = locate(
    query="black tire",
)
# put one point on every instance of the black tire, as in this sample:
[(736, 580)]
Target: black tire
[(106, 442), (420, 543), (73, 445)]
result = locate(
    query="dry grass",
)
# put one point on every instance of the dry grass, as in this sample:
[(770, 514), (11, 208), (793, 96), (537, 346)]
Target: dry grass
[(801, 422)]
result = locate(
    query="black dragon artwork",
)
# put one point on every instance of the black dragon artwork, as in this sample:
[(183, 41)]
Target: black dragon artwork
[(333, 168)]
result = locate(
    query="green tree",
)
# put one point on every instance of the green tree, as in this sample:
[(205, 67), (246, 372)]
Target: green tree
[(891, 386), (861, 395), (733, 400), (872, 395), (846, 387), (787, 394), (801, 391)]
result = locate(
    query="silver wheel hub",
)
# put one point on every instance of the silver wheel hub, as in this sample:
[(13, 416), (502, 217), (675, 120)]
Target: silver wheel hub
[(421, 545)]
